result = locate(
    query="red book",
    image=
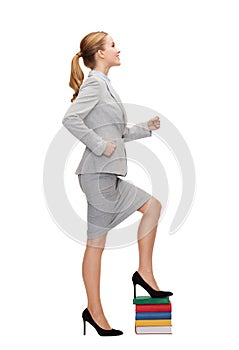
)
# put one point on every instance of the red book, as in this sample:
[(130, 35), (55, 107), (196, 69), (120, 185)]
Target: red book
[(153, 308)]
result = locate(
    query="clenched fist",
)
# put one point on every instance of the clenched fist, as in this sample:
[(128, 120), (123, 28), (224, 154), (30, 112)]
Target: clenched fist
[(154, 123), (110, 147)]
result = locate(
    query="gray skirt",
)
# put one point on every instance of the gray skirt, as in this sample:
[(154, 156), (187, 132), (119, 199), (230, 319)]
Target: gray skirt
[(110, 200)]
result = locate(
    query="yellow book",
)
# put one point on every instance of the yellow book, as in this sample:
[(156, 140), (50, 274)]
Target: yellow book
[(153, 323)]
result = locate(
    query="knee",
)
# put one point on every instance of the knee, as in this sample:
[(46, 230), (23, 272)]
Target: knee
[(154, 207), (157, 206)]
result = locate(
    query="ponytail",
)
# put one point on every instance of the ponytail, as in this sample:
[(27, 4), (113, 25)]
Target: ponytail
[(77, 75), (89, 45)]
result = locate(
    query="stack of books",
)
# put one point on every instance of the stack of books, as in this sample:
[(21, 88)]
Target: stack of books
[(153, 315)]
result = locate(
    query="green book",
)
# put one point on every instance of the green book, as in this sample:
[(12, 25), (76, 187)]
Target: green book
[(149, 300)]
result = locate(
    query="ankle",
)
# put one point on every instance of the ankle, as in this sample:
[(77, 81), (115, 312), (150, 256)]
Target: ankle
[(96, 312), (145, 270), (148, 277), (98, 316)]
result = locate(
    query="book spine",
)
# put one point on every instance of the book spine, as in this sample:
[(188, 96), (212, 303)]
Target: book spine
[(154, 308), (146, 323), (153, 316), (145, 300), (153, 330)]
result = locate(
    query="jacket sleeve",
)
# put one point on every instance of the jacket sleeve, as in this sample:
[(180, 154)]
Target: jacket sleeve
[(73, 120), (137, 131)]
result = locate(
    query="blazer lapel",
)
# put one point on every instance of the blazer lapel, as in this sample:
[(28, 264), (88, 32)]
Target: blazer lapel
[(113, 94), (117, 99)]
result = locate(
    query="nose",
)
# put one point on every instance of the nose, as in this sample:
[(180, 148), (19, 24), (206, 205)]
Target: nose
[(118, 51)]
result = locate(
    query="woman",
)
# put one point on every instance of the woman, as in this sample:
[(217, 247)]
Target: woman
[(98, 119)]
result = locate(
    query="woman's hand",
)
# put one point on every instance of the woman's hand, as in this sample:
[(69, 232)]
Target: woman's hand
[(154, 123), (110, 148)]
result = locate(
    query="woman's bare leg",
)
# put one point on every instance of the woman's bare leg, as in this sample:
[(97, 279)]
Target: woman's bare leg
[(91, 269), (146, 237)]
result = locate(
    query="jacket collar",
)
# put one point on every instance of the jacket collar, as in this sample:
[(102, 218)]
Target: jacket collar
[(97, 72)]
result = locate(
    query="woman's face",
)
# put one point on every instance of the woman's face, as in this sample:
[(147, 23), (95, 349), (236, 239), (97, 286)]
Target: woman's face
[(111, 53)]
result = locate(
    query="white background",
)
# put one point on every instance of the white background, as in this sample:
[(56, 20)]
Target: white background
[(179, 58)]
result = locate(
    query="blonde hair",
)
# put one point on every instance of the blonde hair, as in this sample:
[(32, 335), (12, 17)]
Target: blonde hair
[(89, 45)]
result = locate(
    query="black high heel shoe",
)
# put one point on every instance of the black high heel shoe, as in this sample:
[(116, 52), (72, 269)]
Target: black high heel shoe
[(137, 279), (103, 332)]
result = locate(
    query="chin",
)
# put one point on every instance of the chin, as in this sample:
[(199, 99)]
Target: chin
[(115, 64)]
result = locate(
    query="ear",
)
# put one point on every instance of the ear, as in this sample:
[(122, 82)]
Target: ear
[(100, 53)]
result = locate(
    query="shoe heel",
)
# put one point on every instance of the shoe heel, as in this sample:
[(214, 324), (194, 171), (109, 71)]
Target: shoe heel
[(84, 327), (134, 290)]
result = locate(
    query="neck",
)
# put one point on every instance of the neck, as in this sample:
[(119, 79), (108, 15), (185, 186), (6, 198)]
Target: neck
[(102, 69)]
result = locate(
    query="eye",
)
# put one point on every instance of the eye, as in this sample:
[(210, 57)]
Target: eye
[(113, 44)]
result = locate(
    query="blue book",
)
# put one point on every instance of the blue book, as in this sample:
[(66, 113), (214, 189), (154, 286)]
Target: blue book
[(153, 315)]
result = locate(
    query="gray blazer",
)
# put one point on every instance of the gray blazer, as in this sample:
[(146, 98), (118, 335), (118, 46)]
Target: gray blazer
[(96, 116)]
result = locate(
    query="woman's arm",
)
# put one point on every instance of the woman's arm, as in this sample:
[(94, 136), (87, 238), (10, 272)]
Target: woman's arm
[(86, 100), (137, 131), (142, 129)]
